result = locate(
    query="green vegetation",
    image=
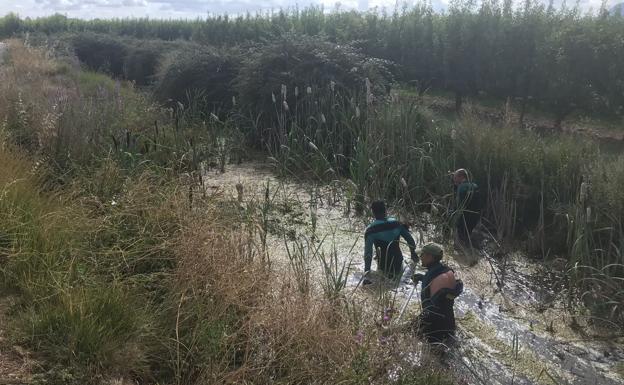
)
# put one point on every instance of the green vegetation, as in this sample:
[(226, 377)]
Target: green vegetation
[(116, 251), (558, 60), (122, 267)]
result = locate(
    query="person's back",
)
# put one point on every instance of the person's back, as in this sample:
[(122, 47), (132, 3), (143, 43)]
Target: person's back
[(384, 235)]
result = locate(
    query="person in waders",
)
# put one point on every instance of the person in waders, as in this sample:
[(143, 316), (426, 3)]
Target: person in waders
[(439, 288), (467, 210), (384, 235)]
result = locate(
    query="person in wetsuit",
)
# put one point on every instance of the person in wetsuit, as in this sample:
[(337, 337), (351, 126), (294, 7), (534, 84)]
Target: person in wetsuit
[(384, 235), (440, 287), (467, 206)]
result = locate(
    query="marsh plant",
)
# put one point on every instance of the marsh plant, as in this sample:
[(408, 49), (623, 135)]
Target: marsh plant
[(396, 150)]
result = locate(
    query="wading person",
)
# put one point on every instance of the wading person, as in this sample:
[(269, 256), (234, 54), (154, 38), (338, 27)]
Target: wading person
[(439, 288), (467, 211), (384, 235)]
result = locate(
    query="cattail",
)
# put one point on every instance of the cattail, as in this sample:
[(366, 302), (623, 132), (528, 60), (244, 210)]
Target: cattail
[(296, 92), (357, 112), (588, 213), (239, 191), (583, 193), (403, 182), (273, 97), (233, 100), (332, 85), (214, 117), (285, 105), (369, 92), (323, 118), (284, 91), (309, 90), (313, 146)]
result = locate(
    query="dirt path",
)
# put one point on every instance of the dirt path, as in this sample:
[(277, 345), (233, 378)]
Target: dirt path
[(516, 333)]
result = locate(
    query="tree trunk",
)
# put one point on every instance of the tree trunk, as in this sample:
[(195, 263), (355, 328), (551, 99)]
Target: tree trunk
[(522, 111), (458, 102), (561, 115)]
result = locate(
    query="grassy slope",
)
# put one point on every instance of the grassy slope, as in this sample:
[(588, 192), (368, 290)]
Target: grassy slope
[(118, 275)]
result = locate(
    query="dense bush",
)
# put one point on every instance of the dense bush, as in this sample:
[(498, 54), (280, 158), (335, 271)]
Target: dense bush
[(300, 62), (101, 52), (203, 73), (142, 61)]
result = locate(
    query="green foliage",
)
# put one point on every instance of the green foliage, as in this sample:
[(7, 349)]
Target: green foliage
[(98, 328), (199, 75), (302, 62), (100, 52), (559, 60), (9, 25)]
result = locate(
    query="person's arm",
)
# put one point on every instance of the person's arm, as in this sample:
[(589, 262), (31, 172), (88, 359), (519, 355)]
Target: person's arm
[(368, 252), (410, 242)]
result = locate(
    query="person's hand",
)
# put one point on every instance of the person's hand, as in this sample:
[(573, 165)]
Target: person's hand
[(417, 278)]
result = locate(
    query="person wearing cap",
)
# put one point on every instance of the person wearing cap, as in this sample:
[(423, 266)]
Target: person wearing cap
[(467, 206), (439, 288), (384, 234)]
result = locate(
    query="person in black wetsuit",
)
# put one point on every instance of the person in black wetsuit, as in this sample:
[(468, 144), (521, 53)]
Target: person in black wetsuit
[(384, 234), (440, 287), (467, 209)]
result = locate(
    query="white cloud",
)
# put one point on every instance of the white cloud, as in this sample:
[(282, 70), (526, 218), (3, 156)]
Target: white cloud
[(196, 8)]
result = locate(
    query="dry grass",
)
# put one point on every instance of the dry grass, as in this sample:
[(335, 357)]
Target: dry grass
[(276, 333)]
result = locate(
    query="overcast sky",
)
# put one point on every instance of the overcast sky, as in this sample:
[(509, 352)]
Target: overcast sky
[(90, 9)]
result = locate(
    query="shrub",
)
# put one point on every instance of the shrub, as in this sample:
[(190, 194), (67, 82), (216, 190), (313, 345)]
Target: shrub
[(101, 52), (303, 61), (205, 74)]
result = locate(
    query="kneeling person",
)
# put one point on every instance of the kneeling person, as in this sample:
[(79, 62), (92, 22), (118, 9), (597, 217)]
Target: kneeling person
[(440, 287), (384, 234)]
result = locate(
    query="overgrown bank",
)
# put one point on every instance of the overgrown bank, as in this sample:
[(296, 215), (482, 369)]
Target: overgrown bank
[(124, 268)]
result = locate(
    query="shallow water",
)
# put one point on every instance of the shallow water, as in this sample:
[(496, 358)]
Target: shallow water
[(524, 308)]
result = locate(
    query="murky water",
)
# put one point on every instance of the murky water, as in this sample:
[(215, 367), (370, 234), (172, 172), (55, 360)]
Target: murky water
[(513, 327)]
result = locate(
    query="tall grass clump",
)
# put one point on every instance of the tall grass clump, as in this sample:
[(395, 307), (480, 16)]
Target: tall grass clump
[(68, 308)]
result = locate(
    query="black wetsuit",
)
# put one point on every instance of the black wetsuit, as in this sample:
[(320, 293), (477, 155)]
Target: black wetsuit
[(468, 205), (384, 234), (437, 320)]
